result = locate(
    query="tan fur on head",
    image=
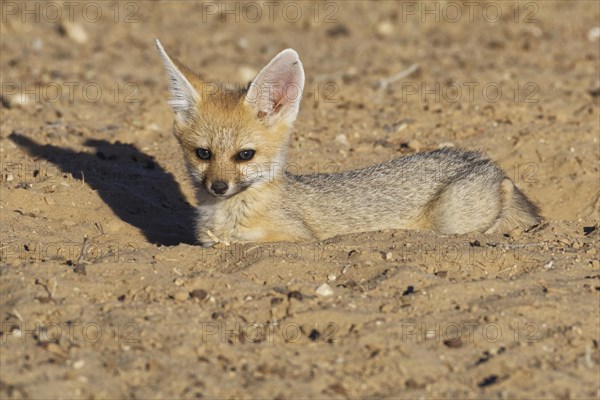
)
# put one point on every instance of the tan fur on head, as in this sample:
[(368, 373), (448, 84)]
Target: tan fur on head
[(227, 122)]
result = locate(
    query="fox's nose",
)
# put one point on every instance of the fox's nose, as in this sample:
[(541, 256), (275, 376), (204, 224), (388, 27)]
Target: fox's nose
[(219, 187)]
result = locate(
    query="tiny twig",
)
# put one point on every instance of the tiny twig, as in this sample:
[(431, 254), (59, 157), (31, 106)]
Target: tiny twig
[(216, 239), (384, 83), (80, 264), (16, 314), (82, 181)]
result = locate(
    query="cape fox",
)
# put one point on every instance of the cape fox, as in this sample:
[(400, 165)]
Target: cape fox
[(235, 146)]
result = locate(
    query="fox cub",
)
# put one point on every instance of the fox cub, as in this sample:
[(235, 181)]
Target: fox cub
[(235, 145)]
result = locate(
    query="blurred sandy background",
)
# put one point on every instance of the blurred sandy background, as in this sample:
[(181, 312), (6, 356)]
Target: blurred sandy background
[(87, 151)]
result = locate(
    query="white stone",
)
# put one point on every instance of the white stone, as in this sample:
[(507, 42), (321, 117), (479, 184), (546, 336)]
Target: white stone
[(324, 290)]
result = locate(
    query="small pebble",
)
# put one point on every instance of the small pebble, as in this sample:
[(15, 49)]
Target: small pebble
[(353, 253), (342, 139), (242, 43), (453, 343), (388, 256), (37, 44), (409, 290), (295, 294), (414, 145), (324, 290), (549, 265), (199, 294), (74, 31), (17, 100), (594, 34), (338, 30), (179, 282), (515, 233), (385, 28), (276, 300)]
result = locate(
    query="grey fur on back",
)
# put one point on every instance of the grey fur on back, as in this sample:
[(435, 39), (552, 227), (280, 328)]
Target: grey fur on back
[(447, 190)]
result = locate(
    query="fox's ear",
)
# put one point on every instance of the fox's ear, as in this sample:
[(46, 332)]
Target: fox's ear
[(276, 91), (184, 96)]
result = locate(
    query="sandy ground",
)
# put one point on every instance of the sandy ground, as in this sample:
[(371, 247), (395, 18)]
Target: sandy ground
[(137, 310)]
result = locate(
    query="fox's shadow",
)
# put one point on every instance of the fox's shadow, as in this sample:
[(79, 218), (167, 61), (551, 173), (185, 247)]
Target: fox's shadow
[(131, 183)]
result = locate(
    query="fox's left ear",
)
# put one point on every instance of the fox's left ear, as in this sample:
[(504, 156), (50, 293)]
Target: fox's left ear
[(184, 97), (276, 91)]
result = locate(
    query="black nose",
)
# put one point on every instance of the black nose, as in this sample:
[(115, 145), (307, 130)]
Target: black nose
[(219, 187)]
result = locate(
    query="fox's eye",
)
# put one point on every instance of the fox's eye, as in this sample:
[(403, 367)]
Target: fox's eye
[(203, 154), (245, 155)]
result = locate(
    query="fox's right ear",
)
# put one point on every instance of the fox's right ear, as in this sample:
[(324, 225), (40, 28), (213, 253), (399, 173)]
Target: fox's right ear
[(184, 97)]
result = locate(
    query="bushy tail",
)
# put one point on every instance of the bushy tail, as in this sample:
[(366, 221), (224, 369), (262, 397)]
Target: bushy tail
[(518, 211)]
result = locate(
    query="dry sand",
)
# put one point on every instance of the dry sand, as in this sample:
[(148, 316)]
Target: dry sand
[(88, 152)]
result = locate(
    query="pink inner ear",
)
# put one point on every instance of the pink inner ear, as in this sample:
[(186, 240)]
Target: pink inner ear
[(284, 90), (277, 90)]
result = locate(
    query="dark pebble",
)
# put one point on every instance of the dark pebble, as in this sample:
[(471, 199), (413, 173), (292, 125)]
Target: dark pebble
[(350, 284), (276, 300), (409, 290), (199, 294), (338, 30), (295, 294), (454, 343), (217, 315), (314, 335), (488, 381)]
